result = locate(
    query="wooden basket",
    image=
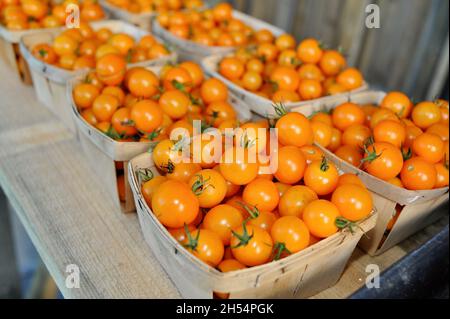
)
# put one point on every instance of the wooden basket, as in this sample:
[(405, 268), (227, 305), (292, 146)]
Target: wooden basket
[(10, 52), (189, 50), (50, 81), (141, 20), (259, 104), (103, 152), (298, 276), (417, 206)]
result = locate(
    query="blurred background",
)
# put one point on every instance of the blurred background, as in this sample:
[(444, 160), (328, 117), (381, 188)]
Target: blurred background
[(409, 52)]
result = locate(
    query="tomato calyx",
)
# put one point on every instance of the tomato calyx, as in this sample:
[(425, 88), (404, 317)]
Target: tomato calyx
[(407, 154), (278, 250), (370, 156), (280, 109), (343, 223), (244, 239), (247, 143), (200, 185), (112, 133), (253, 212), (42, 53), (192, 242), (128, 123), (324, 166), (145, 175), (169, 168), (153, 135)]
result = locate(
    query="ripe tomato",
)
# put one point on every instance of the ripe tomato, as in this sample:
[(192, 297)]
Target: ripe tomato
[(382, 115), (264, 36), (174, 103), (336, 139), (442, 175), (310, 72), (350, 154), (356, 135), (232, 68), (231, 188), (183, 172), (252, 81), (150, 185), (84, 95), (418, 174), (310, 89), (104, 107), (267, 51), (116, 92), (320, 218), (285, 78), (251, 246), (221, 220), (111, 69), (165, 155), (288, 58), (347, 114), (180, 234), (205, 245), (440, 130), (89, 117), (309, 51), (332, 62), (350, 179), (291, 165), (146, 115), (219, 112), (260, 219), (295, 199), (398, 103), (122, 42), (391, 132), (230, 265), (209, 187), (178, 78), (350, 79), (222, 12), (312, 153), (353, 202), (213, 90), (322, 133), (412, 132), (255, 65), (122, 123), (45, 53), (396, 182), (142, 82), (261, 193), (64, 45), (294, 129), (174, 209), (322, 116), (426, 114), (239, 170), (430, 147), (322, 177), (285, 42), (290, 234), (383, 160), (195, 71), (283, 96)]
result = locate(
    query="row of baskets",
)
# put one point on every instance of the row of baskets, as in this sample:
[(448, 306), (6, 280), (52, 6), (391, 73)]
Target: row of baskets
[(300, 275)]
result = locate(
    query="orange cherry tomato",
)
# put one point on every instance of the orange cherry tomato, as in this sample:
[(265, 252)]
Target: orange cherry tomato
[(175, 209), (322, 177), (205, 245), (289, 233), (322, 133), (149, 187), (294, 129), (350, 154), (398, 103), (261, 193), (222, 219), (285, 78), (295, 199), (213, 90), (309, 51), (111, 69), (146, 115), (332, 62), (84, 95), (312, 153), (426, 114), (418, 174), (356, 135), (354, 202), (291, 165), (251, 246), (310, 89), (442, 175), (347, 114), (142, 82), (174, 103), (231, 68), (383, 160), (320, 218), (104, 107), (430, 147), (209, 187), (350, 79), (122, 123), (391, 132)]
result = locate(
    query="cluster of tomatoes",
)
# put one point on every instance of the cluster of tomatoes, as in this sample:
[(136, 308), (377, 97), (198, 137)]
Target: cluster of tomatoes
[(279, 70), (36, 14), (81, 47), (211, 27), (138, 105), (232, 214), (159, 6), (398, 142)]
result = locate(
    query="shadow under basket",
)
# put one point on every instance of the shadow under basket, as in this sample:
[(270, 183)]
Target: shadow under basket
[(10, 54), (413, 210), (300, 275)]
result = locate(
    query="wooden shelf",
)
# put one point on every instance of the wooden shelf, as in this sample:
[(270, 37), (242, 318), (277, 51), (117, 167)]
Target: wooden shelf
[(70, 220)]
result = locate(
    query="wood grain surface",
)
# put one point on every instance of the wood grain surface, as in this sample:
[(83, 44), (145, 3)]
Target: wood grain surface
[(70, 219)]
